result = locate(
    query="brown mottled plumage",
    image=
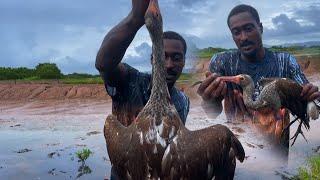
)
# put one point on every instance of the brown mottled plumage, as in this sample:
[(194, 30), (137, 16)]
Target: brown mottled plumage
[(276, 93), (202, 154), (137, 151)]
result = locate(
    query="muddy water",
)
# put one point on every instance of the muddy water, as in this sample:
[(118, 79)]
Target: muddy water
[(39, 140)]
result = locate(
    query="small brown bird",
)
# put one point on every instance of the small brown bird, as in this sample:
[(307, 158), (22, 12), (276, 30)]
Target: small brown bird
[(277, 93)]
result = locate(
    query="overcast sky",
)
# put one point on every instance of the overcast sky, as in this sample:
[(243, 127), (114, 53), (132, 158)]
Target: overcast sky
[(69, 33)]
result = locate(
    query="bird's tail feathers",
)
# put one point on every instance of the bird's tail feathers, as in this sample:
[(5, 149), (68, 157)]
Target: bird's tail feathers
[(313, 109), (317, 102), (238, 149)]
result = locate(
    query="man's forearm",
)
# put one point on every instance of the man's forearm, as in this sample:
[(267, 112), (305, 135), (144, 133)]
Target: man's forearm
[(116, 43)]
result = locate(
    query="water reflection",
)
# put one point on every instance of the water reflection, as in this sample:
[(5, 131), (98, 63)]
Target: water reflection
[(83, 169)]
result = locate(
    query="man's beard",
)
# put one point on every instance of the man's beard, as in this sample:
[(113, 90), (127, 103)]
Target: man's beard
[(251, 54)]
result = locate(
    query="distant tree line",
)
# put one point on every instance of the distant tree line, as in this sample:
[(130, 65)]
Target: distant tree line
[(41, 71), (287, 49), (15, 73), (293, 48)]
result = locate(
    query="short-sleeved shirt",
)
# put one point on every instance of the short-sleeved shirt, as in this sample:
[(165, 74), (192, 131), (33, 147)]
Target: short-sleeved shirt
[(274, 64), (129, 100)]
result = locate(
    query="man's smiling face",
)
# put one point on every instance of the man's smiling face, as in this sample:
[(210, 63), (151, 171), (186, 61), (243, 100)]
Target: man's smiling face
[(174, 59)]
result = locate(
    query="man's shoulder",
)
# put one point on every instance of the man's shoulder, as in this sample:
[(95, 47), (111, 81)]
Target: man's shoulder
[(226, 54), (135, 81), (135, 74), (179, 96), (223, 59), (279, 54)]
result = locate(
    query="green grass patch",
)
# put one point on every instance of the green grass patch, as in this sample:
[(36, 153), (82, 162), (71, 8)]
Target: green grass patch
[(94, 80), (185, 77), (83, 154), (298, 50), (311, 171), (209, 52), (32, 78)]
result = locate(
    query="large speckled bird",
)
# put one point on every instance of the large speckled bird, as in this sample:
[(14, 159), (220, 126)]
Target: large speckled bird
[(136, 151), (276, 94)]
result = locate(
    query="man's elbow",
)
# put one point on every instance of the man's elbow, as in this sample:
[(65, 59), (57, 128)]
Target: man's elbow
[(99, 62)]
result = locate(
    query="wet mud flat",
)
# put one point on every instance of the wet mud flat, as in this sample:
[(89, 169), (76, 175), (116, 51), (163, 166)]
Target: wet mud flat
[(39, 140)]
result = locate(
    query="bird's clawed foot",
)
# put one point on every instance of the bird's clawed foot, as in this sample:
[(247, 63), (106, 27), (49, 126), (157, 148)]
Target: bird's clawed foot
[(298, 131)]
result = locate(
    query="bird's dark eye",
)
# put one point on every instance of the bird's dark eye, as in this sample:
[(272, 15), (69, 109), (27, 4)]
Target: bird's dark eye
[(241, 78)]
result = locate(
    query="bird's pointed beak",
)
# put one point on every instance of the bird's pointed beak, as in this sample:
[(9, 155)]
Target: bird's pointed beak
[(153, 8), (234, 79)]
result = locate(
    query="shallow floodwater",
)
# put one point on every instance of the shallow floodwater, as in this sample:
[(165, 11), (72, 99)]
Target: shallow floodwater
[(39, 140)]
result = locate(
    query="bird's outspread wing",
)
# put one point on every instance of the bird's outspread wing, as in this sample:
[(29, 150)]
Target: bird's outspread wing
[(124, 149), (202, 154), (263, 82), (289, 92)]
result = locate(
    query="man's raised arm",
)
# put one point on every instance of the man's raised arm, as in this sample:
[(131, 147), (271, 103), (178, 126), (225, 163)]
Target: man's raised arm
[(116, 43)]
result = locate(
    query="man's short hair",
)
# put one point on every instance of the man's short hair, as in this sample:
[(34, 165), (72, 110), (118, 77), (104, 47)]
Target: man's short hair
[(244, 8), (176, 36)]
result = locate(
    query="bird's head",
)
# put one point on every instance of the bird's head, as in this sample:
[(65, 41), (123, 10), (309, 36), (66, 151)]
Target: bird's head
[(153, 18), (242, 79)]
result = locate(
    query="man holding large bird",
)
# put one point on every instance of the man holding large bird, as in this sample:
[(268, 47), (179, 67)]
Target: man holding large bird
[(253, 59)]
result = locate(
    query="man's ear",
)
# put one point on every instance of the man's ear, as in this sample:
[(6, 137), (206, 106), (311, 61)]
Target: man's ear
[(261, 28)]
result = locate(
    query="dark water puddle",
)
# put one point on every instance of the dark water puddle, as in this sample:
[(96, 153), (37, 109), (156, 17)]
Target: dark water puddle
[(23, 150), (93, 133)]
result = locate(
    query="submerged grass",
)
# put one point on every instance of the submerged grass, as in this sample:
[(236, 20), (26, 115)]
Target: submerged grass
[(311, 171), (83, 154)]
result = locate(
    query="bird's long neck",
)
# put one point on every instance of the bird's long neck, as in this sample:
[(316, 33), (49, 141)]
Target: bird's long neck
[(159, 92), (248, 91)]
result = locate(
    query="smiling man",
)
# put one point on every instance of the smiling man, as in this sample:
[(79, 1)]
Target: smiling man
[(129, 88), (253, 59)]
